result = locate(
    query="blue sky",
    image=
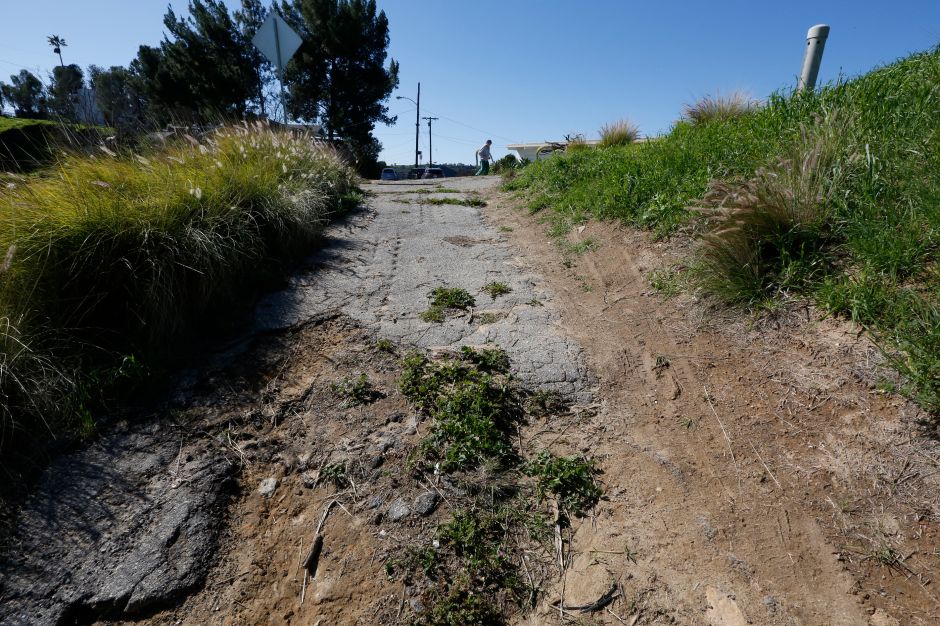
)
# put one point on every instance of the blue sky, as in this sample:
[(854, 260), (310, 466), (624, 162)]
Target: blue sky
[(515, 70)]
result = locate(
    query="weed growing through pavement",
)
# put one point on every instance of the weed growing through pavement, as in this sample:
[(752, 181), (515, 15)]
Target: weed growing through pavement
[(443, 299), (471, 201), (496, 289), (505, 229), (488, 360), (490, 317), (385, 345)]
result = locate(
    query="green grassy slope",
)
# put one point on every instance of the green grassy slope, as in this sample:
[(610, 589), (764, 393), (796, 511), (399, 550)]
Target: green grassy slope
[(836, 197)]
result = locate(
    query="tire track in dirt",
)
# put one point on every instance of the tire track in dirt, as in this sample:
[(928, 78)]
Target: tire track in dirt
[(713, 516)]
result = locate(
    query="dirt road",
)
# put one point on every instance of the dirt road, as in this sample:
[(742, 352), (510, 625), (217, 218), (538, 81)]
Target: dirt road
[(753, 472)]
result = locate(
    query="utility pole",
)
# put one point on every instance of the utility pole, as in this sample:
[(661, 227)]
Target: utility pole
[(417, 121), (430, 144)]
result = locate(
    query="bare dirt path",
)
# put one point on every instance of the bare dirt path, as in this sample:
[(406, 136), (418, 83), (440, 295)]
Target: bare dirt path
[(756, 475), (753, 472)]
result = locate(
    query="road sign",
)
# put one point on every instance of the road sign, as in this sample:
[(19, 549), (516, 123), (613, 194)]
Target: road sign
[(277, 41)]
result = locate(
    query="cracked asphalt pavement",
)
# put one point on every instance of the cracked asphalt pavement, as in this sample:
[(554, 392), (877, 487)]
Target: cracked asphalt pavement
[(379, 265)]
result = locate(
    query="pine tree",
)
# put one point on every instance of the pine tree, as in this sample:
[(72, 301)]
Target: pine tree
[(205, 69), (26, 95), (339, 77)]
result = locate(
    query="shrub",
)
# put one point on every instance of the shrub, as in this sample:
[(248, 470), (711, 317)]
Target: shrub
[(576, 143), (771, 232), (719, 107), (619, 133), (120, 254)]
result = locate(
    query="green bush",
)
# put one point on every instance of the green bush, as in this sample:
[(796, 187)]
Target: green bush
[(120, 254)]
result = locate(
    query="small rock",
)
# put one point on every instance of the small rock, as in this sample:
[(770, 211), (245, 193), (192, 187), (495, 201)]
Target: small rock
[(308, 480), (395, 417), (376, 519), (375, 461), (303, 461), (267, 487), (426, 503), (398, 510), (771, 603), (375, 502)]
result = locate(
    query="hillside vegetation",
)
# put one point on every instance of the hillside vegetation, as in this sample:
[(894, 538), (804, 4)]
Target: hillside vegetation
[(832, 196), (110, 257)]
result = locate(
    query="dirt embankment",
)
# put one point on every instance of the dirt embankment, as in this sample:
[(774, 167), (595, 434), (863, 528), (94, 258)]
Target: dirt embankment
[(750, 462)]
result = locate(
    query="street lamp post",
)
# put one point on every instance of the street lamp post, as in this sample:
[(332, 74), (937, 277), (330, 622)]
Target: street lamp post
[(417, 120)]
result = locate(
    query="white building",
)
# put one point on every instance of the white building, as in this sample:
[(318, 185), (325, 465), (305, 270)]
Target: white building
[(530, 151)]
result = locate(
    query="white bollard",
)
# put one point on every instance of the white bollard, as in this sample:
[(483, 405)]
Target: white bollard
[(815, 42)]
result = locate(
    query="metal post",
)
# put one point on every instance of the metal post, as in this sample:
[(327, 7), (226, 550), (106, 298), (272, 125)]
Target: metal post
[(430, 144), (417, 125), (280, 71), (815, 43)]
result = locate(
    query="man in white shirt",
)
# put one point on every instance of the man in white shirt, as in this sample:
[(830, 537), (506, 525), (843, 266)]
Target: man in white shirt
[(485, 158)]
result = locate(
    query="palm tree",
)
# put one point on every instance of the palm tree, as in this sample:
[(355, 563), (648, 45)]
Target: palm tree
[(57, 44)]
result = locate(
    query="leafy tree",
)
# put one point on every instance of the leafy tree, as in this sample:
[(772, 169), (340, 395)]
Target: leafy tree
[(203, 69), (57, 44), (338, 76), (26, 94), (67, 82), (117, 96)]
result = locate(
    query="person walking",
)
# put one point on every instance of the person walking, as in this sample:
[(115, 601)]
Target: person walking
[(485, 158)]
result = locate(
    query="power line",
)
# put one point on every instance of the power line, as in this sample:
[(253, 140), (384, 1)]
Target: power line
[(479, 130)]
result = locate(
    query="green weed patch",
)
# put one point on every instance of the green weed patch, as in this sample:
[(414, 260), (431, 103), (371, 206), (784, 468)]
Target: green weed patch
[(442, 299), (478, 558)]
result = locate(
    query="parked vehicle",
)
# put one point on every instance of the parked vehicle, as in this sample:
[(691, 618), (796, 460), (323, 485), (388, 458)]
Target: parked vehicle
[(415, 173), (433, 172), (388, 174)]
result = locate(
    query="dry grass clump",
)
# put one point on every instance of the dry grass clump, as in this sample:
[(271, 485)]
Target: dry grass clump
[(712, 108), (574, 143), (619, 133), (771, 231), (117, 254)]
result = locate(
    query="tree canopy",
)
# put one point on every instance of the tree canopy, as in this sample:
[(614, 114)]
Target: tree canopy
[(205, 68), (67, 83), (26, 94), (339, 77)]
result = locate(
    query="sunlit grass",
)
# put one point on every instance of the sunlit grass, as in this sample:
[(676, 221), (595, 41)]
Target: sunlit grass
[(110, 254)]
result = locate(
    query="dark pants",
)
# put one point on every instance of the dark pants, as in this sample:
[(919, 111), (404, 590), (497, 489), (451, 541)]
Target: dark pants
[(484, 168)]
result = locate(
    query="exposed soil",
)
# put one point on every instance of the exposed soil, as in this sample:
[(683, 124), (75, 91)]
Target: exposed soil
[(753, 472)]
